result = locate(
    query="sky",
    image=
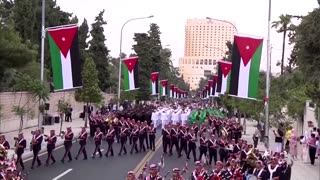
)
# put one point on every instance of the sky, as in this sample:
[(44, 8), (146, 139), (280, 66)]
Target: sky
[(250, 17)]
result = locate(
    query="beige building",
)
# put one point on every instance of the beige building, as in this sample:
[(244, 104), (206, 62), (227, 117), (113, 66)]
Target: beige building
[(205, 44)]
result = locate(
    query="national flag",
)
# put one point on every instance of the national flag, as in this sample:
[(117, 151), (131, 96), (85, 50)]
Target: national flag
[(171, 91), (211, 87), (130, 73), (163, 88), (246, 57), (207, 91), (154, 83), (215, 84), (175, 93), (224, 69), (65, 57)]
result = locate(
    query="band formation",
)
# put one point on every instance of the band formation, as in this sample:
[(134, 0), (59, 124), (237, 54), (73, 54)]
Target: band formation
[(203, 135)]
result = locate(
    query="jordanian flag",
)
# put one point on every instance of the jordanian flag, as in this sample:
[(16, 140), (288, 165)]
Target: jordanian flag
[(171, 90), (130, 73), (211, 86), (215, 84), (154, 83), (207, 91), (246, 57), (65, 59), (163, 88), (175, 92), (224, 69)]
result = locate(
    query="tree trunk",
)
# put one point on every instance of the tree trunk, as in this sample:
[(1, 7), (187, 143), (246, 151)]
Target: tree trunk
[(86, 115), (244, 124), (239, 116), (21, 123), (61, 121), (283, 50)]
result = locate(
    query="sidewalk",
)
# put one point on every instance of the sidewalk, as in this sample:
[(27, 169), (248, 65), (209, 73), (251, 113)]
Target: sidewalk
[(76, 125), (300, 169)]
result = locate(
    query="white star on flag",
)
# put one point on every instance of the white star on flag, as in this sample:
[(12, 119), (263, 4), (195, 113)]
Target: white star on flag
[(63, 38), (247, 47)]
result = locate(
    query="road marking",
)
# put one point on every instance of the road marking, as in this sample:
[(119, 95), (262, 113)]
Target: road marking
[(143, 160), (147, 158), (62, 174), (100, 150)]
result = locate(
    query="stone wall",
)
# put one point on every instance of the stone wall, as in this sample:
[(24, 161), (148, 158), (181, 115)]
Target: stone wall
[(10, 122)]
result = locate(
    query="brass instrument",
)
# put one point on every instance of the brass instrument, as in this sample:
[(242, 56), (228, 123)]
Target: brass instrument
[(62, 134), (224, 131), (251, 158), (31, 143)]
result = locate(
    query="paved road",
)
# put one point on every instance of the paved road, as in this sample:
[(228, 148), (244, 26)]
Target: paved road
[(115, 167)]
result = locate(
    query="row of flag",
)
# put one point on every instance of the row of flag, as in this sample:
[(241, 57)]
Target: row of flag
[(240, 77), (237, 78)]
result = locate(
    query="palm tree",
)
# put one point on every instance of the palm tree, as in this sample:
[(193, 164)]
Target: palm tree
[(282, 26)]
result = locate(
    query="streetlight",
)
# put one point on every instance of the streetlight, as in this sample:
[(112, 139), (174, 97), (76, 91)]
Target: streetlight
[(234, 26), (119, 82)]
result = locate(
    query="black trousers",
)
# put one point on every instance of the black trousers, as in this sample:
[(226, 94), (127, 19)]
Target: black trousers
[(36, 157), (67, 147), (312, 154), (176, 144), (19, 160), (223, 155), (82, 150), (183, 146), (192, 147), (110, 148), (50, 155), (213, 154), (146, 137), (152, 139), (97, 149), (166, 144), (134, 145), (203, 152), (141, 143), (123, 146)]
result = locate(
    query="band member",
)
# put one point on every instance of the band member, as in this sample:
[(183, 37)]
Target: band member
[(97, 141), (68, 137), (176, 175), (260, 171), (4, 142), (134, 135), (195, 130), (218, 173), (274, 170), (146, 134), (142, 135), (131, 176), (183, 136), (154, 174), (36, 146), (174, 139), (192, 145), (165, 138), (223, 152), (110, 140), (152, 137), (51, 144), (83, 141), (21, 144), (203, 146), (123, 139), (199, 172), (212, 145)]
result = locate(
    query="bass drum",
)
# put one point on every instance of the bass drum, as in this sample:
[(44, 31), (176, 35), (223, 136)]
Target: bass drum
[(252, 177)]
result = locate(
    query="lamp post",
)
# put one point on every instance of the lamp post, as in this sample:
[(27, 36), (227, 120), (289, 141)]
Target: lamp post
[(234, 26), (119, 82)]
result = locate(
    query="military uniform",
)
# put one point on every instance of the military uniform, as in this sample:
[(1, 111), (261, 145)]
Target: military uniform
[(183, 142), (68, 137), (152, 138), (134, 135), (110, 141), (21, 145), (51, 144), (97, 141), (123, 139), (83, 141), (174, 140)]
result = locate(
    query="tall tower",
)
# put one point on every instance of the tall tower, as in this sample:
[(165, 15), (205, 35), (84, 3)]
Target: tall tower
[(205, 44)]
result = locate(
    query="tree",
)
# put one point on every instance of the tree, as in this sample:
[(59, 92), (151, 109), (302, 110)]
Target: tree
[(90, 92), (99, 52), (83, 36), (39, 92), (284, 26), (228, 54)]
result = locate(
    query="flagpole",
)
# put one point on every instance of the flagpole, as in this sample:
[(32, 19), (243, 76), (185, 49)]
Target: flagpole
[(43, 34), (119, 77), (266, 128)]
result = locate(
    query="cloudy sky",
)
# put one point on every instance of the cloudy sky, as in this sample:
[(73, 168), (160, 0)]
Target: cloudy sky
[(250, 17)]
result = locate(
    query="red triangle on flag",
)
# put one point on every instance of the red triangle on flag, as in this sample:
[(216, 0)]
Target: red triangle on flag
[(247, 47), (63, 37), (225, 67), (164, 83), (130, 63), (154, 76), (171, 86), (210, 83), (215, 78)]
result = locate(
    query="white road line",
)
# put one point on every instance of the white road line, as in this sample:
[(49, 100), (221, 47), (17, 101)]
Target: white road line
[(62, 174), (100, 150)]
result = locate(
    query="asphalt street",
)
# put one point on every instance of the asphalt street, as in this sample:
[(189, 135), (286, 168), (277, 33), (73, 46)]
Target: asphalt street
[(113, 168)]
